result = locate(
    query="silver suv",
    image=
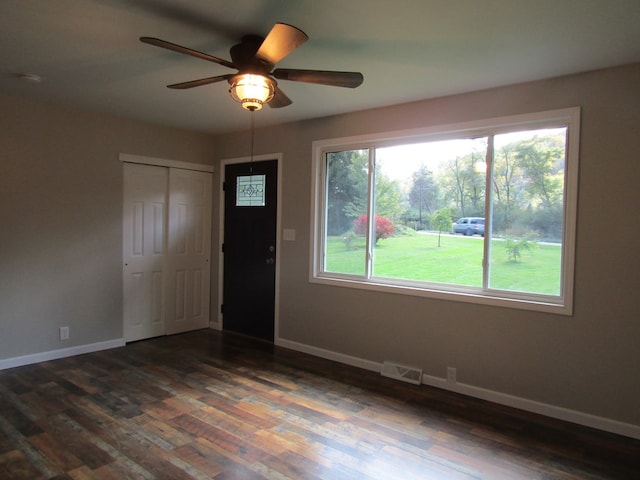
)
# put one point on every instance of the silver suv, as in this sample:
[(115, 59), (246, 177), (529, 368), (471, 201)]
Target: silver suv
[(469, 226)]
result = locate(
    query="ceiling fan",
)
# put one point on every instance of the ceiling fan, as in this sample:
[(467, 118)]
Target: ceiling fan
[(255, 57)]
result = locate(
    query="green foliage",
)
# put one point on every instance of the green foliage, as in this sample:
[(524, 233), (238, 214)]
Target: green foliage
[(441, 221), (388, 197), (404, 231), (506, 179), (464, 184), (346, 188), (517, 245), (423, 196), (542, 162)]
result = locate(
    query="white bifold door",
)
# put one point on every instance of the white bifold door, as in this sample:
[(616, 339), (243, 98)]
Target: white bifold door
[(166, 250)]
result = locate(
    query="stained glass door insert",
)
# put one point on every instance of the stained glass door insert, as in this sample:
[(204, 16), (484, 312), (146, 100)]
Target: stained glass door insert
[(250, 190)]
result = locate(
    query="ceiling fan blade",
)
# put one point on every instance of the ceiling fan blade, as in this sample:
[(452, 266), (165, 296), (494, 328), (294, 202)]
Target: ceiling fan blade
[(187, 51), (279, 99), (280, 42), (202, 81), (322, 77)]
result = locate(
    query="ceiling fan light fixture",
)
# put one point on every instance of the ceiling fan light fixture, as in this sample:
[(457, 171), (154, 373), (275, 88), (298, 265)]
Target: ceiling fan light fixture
[(254, 58), (252, 91)]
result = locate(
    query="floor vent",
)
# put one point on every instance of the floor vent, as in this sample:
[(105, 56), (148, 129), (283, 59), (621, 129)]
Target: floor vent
[(401, 372)]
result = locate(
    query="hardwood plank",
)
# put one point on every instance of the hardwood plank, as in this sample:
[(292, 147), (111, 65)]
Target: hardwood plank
[(161, 430), (76, 440), (235, 410), (82, 473), (144, 455), (199, 458), (14, 465), (37, 460), (55, 451)]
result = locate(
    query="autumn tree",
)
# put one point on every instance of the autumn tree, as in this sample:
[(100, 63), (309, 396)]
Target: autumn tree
[(383, 227)]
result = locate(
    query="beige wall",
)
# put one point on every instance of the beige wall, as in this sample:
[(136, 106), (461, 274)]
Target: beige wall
[(61, 220), (60, 245), (587, 362)]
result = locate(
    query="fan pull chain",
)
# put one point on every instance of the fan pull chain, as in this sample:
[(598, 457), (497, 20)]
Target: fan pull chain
[(252, 135)]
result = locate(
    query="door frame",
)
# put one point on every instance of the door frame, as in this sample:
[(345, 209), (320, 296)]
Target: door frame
[(219, 325)]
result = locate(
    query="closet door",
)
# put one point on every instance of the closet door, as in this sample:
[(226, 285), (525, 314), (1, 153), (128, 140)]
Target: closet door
[(188, 252), (144, 213)]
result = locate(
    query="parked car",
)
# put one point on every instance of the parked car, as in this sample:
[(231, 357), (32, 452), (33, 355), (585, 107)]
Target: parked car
[(469, 226)]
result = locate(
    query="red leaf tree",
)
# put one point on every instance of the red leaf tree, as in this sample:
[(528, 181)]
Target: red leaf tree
[(383, 226)]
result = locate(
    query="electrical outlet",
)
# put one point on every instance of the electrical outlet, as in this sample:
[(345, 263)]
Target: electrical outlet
[(451, 374), (64, 333)]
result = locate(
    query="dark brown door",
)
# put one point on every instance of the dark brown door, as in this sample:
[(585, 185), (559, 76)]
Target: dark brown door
[(250, 214)]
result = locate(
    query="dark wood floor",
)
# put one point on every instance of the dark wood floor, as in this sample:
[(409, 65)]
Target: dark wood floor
[(205, 405)]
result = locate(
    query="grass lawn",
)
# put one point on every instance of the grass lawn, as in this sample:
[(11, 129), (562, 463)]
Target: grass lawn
[(458, 260)]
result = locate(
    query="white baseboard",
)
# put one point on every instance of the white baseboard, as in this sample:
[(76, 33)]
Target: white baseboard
[(62, 353), (553, 411), (329, 355)]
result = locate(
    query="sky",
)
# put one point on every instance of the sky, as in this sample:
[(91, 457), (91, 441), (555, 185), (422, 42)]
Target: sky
[(399, 162)]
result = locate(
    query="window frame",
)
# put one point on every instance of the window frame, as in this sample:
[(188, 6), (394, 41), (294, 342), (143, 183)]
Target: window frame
[(561, 304)]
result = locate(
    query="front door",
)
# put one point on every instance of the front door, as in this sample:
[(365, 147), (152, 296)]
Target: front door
[(250, 217)]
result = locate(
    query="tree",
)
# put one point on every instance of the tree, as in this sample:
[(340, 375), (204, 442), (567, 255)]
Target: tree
[(441, 220), (515, 246), (542, 162), (346, 189), (538, 160), (388, 197), (384, 227), (465, 185), (506, 177), (476, 181), (423, 195)]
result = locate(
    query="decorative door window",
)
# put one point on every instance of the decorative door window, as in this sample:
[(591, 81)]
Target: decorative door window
[(250, 191)]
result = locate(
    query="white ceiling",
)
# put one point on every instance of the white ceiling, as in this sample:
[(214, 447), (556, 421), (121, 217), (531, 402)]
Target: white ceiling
[(88, 53)]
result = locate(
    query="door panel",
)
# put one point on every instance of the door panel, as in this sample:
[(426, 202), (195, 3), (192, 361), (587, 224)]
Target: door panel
[(249, 248), (189, 247), (143, 250)]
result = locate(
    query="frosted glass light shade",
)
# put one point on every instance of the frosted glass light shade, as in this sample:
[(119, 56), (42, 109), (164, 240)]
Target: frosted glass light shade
[(252, 91)]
